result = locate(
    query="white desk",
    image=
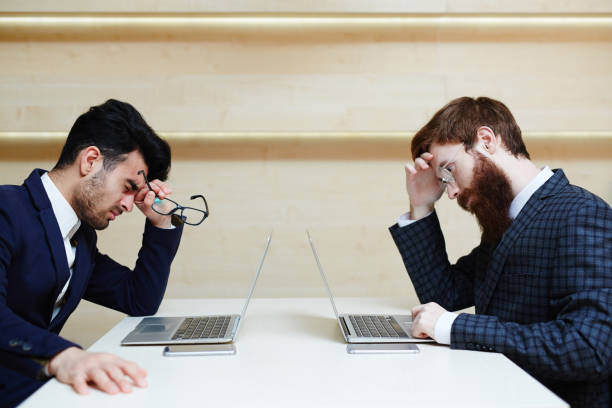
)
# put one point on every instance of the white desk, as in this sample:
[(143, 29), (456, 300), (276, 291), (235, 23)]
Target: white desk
[(290, 353)]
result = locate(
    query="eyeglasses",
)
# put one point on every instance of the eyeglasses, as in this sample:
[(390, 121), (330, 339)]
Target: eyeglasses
[(189, 215), (444, 174)]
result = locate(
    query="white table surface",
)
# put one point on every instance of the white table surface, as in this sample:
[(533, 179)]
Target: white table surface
[(290, 352)]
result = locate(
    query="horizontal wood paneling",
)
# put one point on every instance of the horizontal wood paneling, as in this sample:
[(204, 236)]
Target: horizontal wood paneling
[(307, 6), (449, 27), (33, 146), (296, 125)]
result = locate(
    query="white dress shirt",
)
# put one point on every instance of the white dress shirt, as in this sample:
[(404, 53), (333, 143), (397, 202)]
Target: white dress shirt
[(442, 330), (68, 223)]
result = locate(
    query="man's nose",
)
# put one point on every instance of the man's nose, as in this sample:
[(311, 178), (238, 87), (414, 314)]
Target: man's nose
[(127, 203), (452, 190)]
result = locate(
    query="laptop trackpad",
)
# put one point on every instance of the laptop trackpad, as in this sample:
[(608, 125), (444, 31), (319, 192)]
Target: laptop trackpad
[(153, 328), (152, 325)]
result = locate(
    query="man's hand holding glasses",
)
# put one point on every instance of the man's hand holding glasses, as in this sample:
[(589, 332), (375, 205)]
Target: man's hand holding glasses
[(153, 201)]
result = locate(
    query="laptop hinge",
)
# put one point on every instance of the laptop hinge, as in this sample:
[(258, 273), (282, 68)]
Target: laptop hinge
[(344, 327)]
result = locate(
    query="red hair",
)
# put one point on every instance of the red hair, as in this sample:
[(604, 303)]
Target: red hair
[(459, 120)]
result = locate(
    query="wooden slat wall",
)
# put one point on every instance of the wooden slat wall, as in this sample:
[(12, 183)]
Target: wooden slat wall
[(347, 190)]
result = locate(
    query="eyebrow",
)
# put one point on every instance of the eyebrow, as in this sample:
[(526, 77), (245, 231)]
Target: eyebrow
[(444, 163)]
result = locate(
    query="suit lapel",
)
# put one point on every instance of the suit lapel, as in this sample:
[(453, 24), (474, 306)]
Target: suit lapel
[(51, 228), (80, 277), (58, 252), (525, 217), (496, 267)]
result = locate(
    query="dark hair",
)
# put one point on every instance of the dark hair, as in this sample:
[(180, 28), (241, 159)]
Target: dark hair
[(116, 128), (459, 120)]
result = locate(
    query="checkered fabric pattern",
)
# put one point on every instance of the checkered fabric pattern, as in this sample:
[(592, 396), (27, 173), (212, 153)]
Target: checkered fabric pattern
[(543, 295)]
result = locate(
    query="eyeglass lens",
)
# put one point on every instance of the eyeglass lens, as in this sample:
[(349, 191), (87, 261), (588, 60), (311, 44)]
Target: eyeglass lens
[(189, 215), (192, 216), (167, 206), (444, 174)]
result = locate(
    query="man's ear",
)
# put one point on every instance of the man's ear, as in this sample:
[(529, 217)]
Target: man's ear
[(89, 160), (487, 138)]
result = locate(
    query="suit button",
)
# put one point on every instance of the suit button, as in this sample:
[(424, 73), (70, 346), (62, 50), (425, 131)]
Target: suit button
[(26, 347), (14, 343)]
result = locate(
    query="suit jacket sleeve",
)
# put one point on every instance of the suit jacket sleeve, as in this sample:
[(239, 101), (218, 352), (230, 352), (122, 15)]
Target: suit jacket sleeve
[(20, 340), (422, 247), (575, 344), (140, 291)]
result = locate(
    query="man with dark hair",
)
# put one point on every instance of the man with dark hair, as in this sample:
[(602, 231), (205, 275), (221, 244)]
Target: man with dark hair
[(49, 260), (541, 277)]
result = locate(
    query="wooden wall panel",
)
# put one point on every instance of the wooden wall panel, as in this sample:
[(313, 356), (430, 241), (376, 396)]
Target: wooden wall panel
[(346, 191), (306, 6)]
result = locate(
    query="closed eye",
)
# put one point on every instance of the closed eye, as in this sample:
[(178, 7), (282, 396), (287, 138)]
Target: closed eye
[(131, 186)]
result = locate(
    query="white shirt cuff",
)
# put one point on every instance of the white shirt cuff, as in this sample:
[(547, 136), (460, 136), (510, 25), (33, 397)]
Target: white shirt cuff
[(442, 330), (404, 219), (46, 370)]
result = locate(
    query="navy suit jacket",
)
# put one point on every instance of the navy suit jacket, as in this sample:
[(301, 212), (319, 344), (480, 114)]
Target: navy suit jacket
[(543, 295), (34, 269)]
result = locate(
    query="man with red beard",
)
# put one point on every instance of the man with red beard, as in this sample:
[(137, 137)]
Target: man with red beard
[(541, 277)]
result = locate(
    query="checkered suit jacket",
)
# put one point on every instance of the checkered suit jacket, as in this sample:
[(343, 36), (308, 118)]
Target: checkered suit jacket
[(543, 296)]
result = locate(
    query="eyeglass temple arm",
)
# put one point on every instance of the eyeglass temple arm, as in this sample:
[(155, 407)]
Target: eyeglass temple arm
[(193, 197), (145, 179)]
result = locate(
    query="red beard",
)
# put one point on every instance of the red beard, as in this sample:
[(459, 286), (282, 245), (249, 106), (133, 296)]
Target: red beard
[(489, 199)]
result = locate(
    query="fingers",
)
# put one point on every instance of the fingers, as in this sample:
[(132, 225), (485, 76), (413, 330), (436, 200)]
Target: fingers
[(416, 310), (141, 194), (111, 377), (136, 373), (160, 188), (149, 199), (421, 164), (101, 380), (417, 328), (424, 319), (145, 199), (79, 385), (427, 156), (118, 377), (106, 372), (410, 170)]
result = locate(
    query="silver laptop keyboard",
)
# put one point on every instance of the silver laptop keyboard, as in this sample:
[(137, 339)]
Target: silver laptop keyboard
[(376, 326), (208, 327)]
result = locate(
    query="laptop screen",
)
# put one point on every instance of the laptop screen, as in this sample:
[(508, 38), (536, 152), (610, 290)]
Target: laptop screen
[(246, 304), (329, 293)]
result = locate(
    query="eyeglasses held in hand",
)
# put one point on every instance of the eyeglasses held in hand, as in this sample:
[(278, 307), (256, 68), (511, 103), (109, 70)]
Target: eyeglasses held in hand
[(189, 215)]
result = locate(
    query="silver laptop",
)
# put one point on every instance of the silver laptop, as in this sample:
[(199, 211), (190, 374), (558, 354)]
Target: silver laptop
[(192, 329), (369, 328)]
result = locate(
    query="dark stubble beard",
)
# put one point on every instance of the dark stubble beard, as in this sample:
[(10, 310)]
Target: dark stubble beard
[(88, 197), (489, 198)]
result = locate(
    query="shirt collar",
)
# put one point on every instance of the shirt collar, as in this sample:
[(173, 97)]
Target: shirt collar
[(67, 219), (521, 199)]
